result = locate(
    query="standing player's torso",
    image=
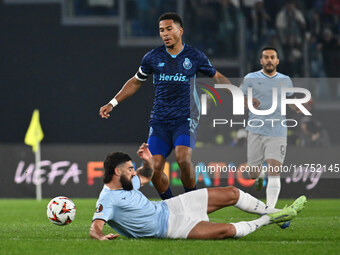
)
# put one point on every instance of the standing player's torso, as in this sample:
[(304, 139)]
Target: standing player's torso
[(263, 88), (171, 78)]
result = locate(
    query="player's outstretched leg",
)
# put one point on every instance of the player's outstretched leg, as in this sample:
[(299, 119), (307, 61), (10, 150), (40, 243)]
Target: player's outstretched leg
[(209, 230), (244, 228), (159, 178), (227, 196)]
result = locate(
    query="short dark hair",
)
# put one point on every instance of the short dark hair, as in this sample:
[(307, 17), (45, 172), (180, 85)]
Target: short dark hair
[(113, 160), (171, 15), (269, 48)]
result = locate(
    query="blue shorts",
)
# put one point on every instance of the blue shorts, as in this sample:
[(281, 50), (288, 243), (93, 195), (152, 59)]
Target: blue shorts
[(164, 136)]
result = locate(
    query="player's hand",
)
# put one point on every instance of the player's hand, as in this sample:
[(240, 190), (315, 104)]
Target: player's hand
[(256, 103), (109, 237), (104, 111), (144, 152)]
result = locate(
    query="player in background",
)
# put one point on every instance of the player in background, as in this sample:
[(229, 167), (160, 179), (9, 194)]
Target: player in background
[(267, 142), (175, 114), (131, 214)]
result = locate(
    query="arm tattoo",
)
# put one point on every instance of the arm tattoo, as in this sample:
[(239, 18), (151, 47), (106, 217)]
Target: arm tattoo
[(146, 171)]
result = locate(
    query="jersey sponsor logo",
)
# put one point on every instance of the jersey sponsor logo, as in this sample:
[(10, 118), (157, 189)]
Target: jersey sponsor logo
[(187, 64), (161, 64), (177, 77)]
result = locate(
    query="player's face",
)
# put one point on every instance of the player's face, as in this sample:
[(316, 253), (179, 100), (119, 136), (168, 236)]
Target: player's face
[(127, 172), (269, 61), (170, 33)]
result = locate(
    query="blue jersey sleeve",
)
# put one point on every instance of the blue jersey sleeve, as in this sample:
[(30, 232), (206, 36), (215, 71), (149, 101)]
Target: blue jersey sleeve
[(205, 66), (146, 64), (145, 68), (104, 209), (135, 182)]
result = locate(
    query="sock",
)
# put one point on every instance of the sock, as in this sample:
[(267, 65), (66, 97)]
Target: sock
[(244, 228), (166, 195), (189, 189), (250, 204), (273, 190)]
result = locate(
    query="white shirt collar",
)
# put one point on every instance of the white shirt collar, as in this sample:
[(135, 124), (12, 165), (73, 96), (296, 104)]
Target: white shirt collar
[(108, 188), (270, 76)]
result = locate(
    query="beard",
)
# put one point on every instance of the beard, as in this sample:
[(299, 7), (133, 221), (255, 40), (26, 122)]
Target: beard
[(270, 69), (126, 183)]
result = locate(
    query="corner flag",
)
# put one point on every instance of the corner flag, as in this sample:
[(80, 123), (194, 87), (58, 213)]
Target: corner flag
[(34, 133)]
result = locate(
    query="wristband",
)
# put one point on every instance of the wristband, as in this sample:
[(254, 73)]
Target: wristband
[(114, 102)]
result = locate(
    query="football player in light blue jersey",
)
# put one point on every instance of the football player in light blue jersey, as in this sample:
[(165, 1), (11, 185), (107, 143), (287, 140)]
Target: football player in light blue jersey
[(175, 113), (267, 134), (124, 208)]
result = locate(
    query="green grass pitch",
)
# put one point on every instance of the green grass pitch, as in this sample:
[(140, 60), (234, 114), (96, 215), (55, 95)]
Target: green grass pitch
[(25, 229)]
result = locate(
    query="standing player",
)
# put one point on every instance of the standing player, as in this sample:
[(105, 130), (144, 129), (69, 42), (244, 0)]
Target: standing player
[(267, 140), (172, 126)]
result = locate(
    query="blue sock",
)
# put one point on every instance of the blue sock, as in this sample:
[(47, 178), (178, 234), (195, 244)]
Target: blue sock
[(167, 194), (189, 189)]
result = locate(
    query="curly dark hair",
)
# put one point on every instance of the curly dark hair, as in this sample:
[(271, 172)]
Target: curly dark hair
[(113, 160)]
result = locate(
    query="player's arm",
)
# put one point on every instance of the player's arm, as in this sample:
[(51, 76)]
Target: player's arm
[(129, 88), (244, 87), (96, 231), (221, 79), (145, 172)]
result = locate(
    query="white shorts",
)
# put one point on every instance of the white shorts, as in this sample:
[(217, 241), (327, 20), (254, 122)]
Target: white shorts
[(186, 211), (261, 148)]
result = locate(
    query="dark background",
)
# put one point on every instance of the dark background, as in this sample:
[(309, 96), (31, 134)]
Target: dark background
[(67, 73)]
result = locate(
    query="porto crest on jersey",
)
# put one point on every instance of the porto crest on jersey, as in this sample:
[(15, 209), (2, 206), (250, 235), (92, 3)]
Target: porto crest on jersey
[(187, 64)]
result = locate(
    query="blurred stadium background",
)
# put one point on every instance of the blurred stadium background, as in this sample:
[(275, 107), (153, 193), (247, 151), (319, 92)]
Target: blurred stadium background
[(69, 57)]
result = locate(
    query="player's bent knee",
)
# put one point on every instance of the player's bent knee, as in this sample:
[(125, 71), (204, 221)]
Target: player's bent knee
[(184, 163), (233, 194), (158, 166)]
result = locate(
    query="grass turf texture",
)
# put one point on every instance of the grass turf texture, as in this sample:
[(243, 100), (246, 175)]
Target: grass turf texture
[(25, 229)]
